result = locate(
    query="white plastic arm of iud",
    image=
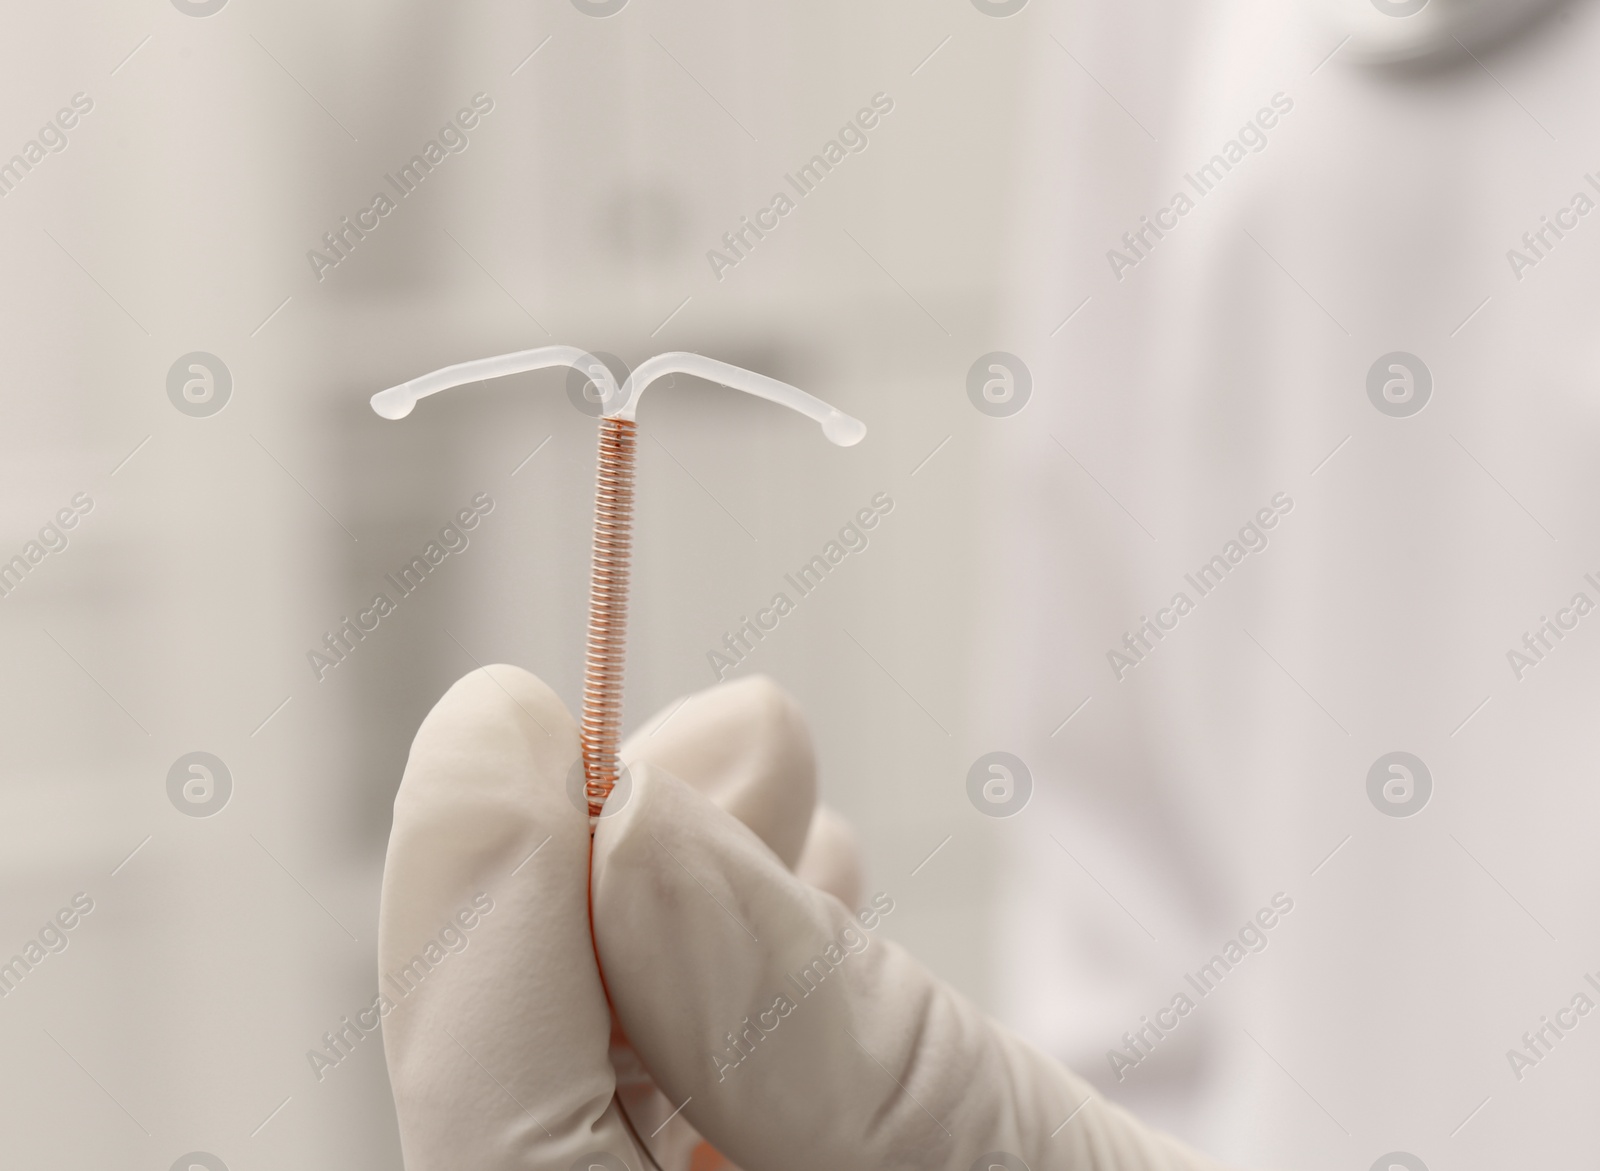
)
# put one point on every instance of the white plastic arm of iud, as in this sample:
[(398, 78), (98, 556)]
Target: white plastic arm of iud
[(397, 401), (839, 427)]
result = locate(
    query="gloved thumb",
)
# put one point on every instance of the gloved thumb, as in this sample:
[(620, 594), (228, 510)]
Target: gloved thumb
[(795, 1036), (495, 1022)]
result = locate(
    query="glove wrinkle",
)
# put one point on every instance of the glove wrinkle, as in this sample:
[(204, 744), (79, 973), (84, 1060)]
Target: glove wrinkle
[(701, 928)]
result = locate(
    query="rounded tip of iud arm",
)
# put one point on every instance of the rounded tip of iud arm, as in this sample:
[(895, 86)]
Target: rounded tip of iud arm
[(397, 401), (843, 430), (394, 403)]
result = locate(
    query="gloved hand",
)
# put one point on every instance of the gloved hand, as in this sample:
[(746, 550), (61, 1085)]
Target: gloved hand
[(775, 1021)]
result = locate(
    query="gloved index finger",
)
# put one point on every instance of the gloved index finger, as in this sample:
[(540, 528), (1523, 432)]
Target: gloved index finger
[(745, 745)]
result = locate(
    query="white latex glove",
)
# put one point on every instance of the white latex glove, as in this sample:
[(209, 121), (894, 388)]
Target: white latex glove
[(502, 1054)]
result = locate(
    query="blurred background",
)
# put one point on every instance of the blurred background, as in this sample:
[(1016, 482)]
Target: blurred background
[(183, 165)]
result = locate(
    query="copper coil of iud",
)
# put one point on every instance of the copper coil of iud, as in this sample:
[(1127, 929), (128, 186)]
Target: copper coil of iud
[(608, 610)]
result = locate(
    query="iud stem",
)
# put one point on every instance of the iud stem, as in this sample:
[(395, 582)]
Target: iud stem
[(608, 610)]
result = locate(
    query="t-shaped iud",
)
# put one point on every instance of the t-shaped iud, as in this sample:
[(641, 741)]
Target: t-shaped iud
[(613, 505)]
